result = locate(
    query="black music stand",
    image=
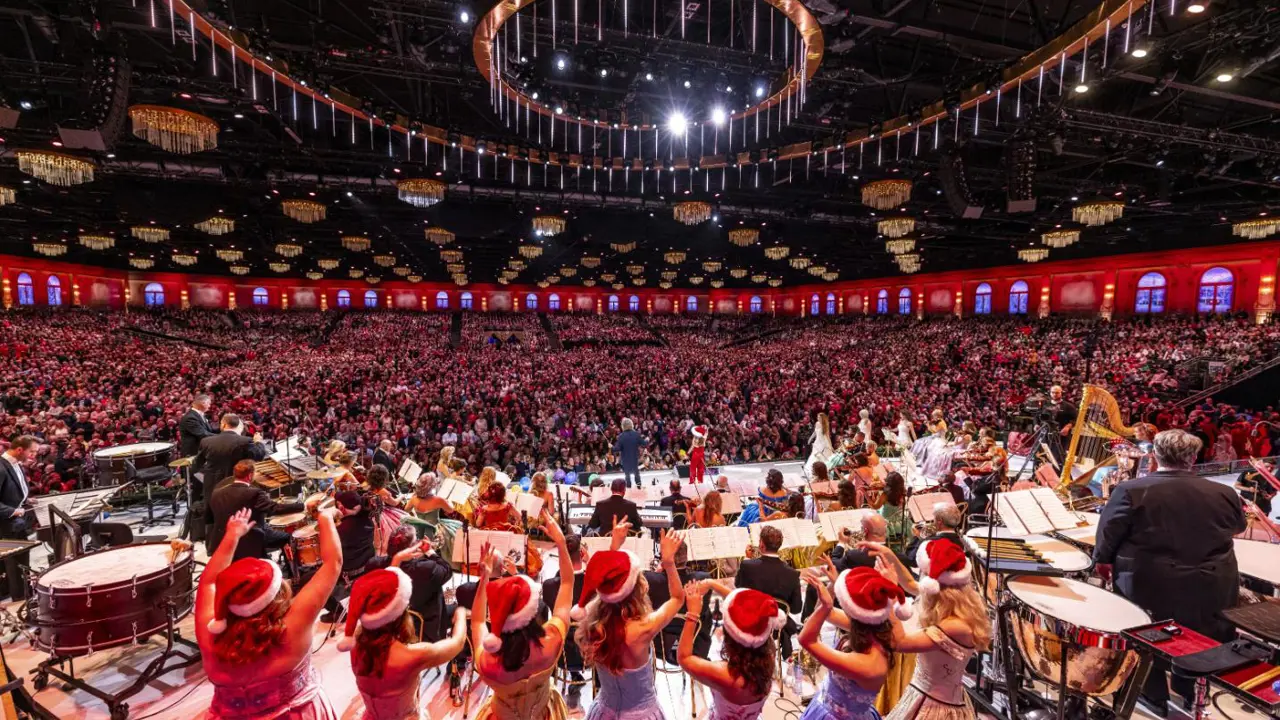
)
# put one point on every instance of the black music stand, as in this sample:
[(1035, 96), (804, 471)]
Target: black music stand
[(71, 534)]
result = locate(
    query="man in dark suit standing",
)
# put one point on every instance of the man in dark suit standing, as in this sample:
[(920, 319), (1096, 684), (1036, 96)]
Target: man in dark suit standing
[(194, 426), (627, 446), (1167, 538), (239, 493), (773, 577), (14, 491), (614, 507), (550, 589), (429, 573), (669, 639), (382, 456), (679, 507), (219, 454)]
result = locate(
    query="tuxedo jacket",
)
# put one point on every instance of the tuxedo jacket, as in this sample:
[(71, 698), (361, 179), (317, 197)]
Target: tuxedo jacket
[(11, 497), (192, 428), (219, 454), (231, 497)]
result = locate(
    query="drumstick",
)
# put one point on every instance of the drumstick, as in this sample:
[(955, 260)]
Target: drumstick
[(1261, 679)]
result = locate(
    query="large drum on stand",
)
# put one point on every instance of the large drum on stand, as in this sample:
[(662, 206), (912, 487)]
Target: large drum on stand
[(113, 462)]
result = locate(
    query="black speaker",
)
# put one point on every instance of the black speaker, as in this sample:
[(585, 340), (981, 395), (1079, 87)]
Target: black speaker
[(1020, 176), (955, 186), (106, 100)]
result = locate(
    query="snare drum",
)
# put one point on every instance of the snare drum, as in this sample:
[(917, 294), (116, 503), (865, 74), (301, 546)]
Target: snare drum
[(288, 523), (111, 597), (1056, 613), (111, 462), (306, 546)]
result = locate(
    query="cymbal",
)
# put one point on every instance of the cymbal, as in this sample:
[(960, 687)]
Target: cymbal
[(326, 474), (182, 462)]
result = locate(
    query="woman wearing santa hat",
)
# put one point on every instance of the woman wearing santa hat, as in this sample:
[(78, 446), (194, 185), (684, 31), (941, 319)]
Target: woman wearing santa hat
[(388, 667), (740, 683), (516, 656), (617, 625), (697, 456), (858, 668), (255, 635)]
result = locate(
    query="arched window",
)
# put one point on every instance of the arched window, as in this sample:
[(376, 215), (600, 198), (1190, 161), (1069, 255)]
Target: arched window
[(982, 300), (757, 305), (553, 302), (904, 301), (442, 300), (26, 291), (55, 291), (691, 303), (633, 303), (1217, 285), (344, 298), (613, 303), (370, 299), (1018, 294), (260, 296), (813, 304), (1150, 299), (831, 304), (882, 302), (531, 301), (467, 302), (153, 295)]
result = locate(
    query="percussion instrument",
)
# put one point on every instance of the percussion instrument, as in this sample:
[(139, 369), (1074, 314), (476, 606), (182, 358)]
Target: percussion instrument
[(113, 462), (306, 546), (270, 475), (1052, 615), (182, 462), (111, 597), (322, 500), (1052, 551), (289, 523), (329, 474)]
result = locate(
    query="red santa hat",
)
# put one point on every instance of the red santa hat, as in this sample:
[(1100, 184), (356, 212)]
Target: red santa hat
[(700, 431), (612, 574), (750, 617), (378, 599), (867, 597), (942, 563), (513, 603), (244, 589)]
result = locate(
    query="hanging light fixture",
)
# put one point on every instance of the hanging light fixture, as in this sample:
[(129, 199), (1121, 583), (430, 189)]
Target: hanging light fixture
[(693, 212), (355, 273), (97, 242), (185, 259), (530, 251), (1060, 238), (909, 262), (216, 225), (439, 235), (313, 275), (831, 276), (553, 279), (622, 248), (420, 192), (1098, 212), (548, 225), (401, 270), (451, 256), (588, 282), (7, 196), (356, 243), (455, 267), (817, 270), (228, 255), (141, 263), (304, 211), (799, 262), (504, 281), (55, 168), (460, 280), (900, 246), (777, 252), (744, 237), (738, 273), (775, 282), (513, 263), (148, 233), (49, 249), (897, 226), (174, 130), (759, 279), (289, 250), (717, 283), (543, 284), (1256, 229), (712, 266), (327, 264), (670, 274), (373, 279), (674, 257), (608, 277), (638, 281), (696, 280), (415, 279), (384, 260), (590, 261), (280, 267), (634, 269), (568, 271), (1033, 254), (617, 286), (239, 269), (665, 285), (886, 194)]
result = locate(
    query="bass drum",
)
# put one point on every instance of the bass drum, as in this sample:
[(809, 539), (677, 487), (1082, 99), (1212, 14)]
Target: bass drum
[(109, 598), (113, 462)]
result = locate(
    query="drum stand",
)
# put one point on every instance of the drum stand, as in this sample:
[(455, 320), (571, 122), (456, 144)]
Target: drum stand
[(115, 702)]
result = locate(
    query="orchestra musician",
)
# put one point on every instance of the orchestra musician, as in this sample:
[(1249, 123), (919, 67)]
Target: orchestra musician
[(230, 498), (772, 576), (679, 505), (384, 456), (194, 425), (614, 506), (217, 456), (14, 490), (1255, 488)]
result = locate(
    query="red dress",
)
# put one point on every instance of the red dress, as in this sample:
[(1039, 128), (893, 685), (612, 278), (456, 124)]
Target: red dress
[(697, 464)]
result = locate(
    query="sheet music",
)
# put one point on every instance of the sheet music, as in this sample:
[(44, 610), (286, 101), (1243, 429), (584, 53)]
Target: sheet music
[(828, 487), (730, 504), (642, 546), (796, 532), (528, 503), (1059, 516), (455, 491), (718, 542), (79, 504), (922, 506), (1022, 514), (832, 522), (289, 448), (508, 544), (1009, 516), (409, 471), (743, 486)]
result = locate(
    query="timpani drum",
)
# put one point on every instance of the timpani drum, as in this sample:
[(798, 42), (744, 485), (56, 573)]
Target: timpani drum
[(289, 523), (1053, 614), (112, 462), (111, 597), (306, 546), (1057, 553)]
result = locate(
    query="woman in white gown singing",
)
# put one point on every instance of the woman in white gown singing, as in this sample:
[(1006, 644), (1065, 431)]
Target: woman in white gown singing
[(821, 439)]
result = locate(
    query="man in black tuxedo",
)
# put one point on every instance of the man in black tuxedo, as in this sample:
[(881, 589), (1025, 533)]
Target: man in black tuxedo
[(238, 493), (613, 507), (773, 577), (1168, 539), (219, 454), (382, 456), (194, 426), (668, 640), (15, 524), (429, 573), (679, 508)]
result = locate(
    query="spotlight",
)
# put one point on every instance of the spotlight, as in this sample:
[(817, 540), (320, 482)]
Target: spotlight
[(26, 104), (1082, 89), (1225, 77), (648, 77), (687, 84), (1196, 8), (759, 91), (464, 16), (604, 72), (534, 95), (677, 123), (1160, 162), (1139, 52), (350, 194), (559, 110), (715, 218), (718, 116), (560, 63), (239, 116)]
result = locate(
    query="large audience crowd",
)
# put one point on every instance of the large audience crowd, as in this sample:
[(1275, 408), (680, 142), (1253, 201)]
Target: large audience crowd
[(78, 384)]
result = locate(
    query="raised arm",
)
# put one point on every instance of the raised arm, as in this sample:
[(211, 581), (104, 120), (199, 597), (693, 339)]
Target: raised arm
[(480, 606), (564, 598), (431, 654), (310, 600), (655, 621), (864, 668), (705, 671), (237, 527)]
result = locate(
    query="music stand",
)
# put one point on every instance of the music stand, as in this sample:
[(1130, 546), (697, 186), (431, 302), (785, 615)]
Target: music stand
[(70, 530)]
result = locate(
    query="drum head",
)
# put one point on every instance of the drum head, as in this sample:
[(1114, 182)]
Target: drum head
[(304, 533), (1077, 603), (109, 566), (285, 520), (147, 448)]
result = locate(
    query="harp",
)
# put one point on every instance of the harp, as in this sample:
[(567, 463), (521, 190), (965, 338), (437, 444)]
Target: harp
[(1097, 428)]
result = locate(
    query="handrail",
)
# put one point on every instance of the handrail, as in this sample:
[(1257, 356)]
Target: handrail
[(1230, 467), (1233, 380)]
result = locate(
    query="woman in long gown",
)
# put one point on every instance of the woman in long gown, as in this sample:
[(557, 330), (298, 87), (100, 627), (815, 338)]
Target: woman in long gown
[(821, 439), (255, 635), (740, 682), (424, 509), (617, 625), (772, 498), (387, 663), (385, 507), (517, 656), (444, 466)]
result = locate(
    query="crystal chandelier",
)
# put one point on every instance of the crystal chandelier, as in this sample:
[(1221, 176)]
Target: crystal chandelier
[(327, 264), (665, 285), (141, 263), (775, 282), (7, 196), (817, 270), (759, 279), (590, 261), (908, 263), (415, 279), (148, 233), (280, 267), (313, 275), (1060, 238), (670, 274), (289, 250), (373, 279), (1033, 254), (97, 242), (831, 276), (608, 277), (451, 256), (674, 257), (239, 269), (460, 280), (777, 252), (568, 271), (548, 225), (1256, 229), (355, 273), (1099, 212), (617, 286), (744, 237), (439, 235), (384, 260), (696, 280), (185, 259), (896, 227), (530, 250), (513, 263), (402, 271), (174, 130), (886, 194), (638, 281), (717, 284), (420, 192), (738, 273), (55, 168), (356, 243), (228, 255), (634, 269), (216, 225), (553, 279), (504, 280), (588, 282), (712, 266), (544, 284), (304, 211), (693, 212), (49, 249), (455, 267), (900, 246), (622, 248), (799, 263)]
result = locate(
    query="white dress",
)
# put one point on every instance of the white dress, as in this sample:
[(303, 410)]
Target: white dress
[(936, 691), (821, 452)]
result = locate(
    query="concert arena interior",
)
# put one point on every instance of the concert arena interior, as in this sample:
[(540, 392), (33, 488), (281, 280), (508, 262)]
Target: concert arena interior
[(639, 359)]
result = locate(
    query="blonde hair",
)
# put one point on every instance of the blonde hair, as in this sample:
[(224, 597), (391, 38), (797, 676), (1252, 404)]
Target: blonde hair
[(602, 634), (446, 453), (488, 476), (538, 484), (962, 603), (824, 423)]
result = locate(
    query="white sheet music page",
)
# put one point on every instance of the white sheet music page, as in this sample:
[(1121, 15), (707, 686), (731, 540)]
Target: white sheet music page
[(455, 491), (1028, 512), (1058, 514), (730, 504), (507, 544), (922, 506), (832, 522), (409, 471), (528, 503), (1009, 516)]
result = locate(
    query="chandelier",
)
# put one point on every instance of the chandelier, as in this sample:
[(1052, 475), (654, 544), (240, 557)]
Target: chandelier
[(738, 273), (373, 279), (402, 271), (886, 194), (693, 212), (420, 192), (588, 282), (744, 237), (141, 263), (712, 266), (239, 269), (228, 255), (455, 267), (617, 286), (439, 235), (356, 243), (504, 280), (638, 281), (622, 248), (460, 280), (513, 263), (451, 256), (717, 284), (174, 130), (327, 264), (674, 257), (775, 282), (670, 274), (830, 276), (530, 250), (55, 168), (1034, 254), (608, 277), (1099, 212), (313, 275), (97, 242), (759, 279), (800, 263), (49, 249), (900, 246), (634, 269), (896, 227), (817, 270), (304, 211), (1256, 229), (216, 225), (568, 271), (548, 225), (664, 285), (289, 250), (544, 284), (1060, 238), (184, 259), (553, 279), (279, 267), (7, 196), (908, 263), (355, 273), (590, 261), (384, 260), (696, 280), (777, 252), (415, 279), (148, 233)]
